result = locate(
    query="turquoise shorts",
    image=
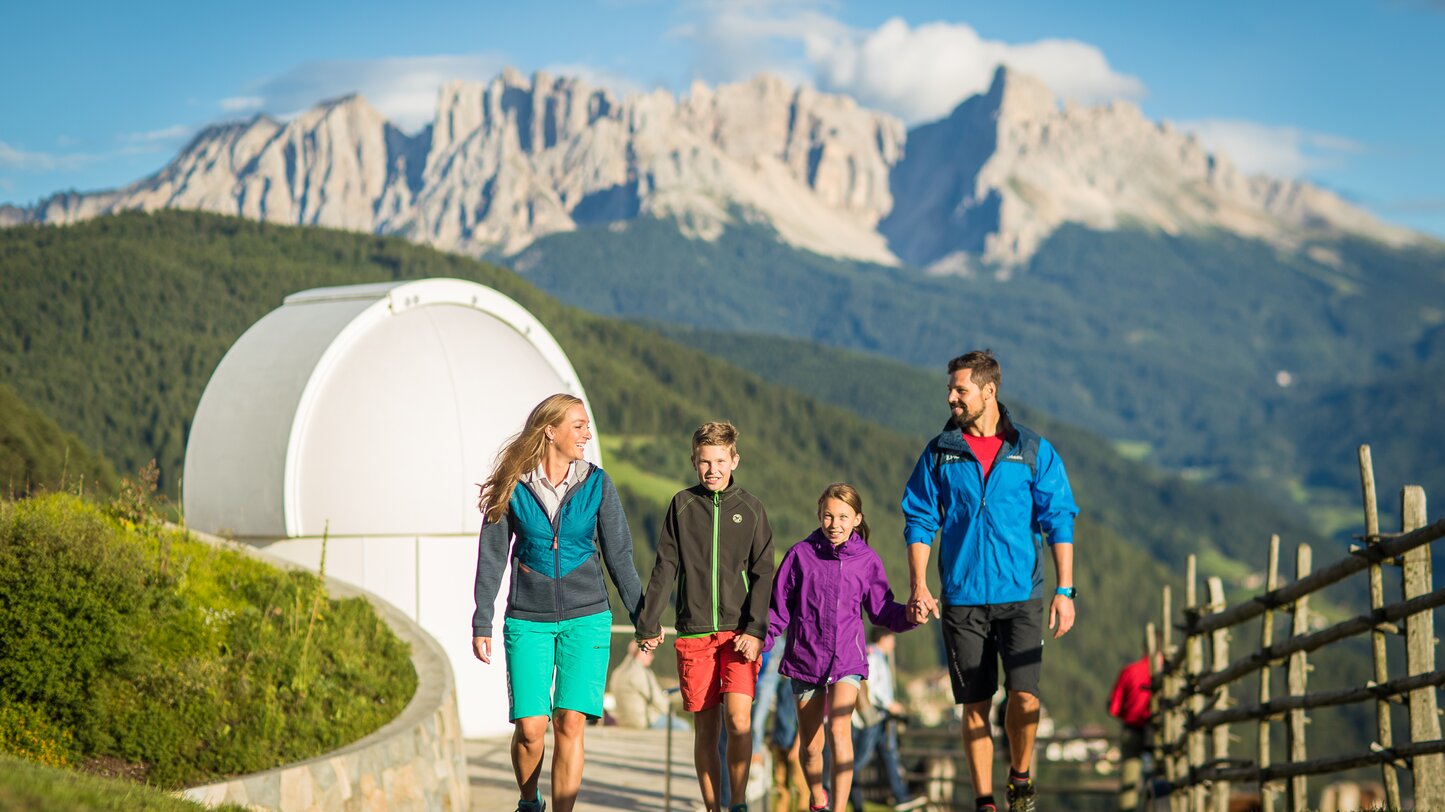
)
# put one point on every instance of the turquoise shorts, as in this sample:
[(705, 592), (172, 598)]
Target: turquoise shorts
[(553, 666)]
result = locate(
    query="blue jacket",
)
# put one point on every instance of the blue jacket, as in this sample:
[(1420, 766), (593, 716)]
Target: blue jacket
[(990, 534), (555, 572)]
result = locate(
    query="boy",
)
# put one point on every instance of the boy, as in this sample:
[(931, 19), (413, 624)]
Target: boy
[(715, 536)]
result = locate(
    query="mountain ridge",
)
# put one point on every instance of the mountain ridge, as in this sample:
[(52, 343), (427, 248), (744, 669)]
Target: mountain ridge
[(507, 162)]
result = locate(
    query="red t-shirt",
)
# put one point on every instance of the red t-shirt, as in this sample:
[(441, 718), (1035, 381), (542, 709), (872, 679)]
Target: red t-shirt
[(985, 448), (1129, 701)]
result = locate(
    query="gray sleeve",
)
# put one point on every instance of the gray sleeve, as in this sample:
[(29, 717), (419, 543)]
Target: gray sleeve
[(616, 543), (492, 551)]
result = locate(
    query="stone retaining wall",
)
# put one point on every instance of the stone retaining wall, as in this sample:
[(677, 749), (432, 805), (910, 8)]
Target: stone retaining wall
[(414, 762)]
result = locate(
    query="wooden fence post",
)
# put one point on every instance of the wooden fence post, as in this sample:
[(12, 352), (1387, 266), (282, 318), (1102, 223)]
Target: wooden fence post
[(1194, 656), (1143, 796), (1383, 732), (1166, 747), (1429, 770), (1219, 659), (1266, 639), (1298, 787)]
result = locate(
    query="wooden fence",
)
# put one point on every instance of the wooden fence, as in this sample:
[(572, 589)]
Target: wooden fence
[(1194, 706)]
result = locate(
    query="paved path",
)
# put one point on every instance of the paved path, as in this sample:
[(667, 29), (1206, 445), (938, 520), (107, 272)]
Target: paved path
[(625, 770)]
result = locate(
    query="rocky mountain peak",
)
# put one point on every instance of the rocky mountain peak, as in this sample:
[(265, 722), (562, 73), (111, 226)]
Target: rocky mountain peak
[(519, 157), (1019, 97)]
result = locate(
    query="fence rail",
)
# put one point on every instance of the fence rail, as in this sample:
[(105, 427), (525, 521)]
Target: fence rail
[(1193, 706)]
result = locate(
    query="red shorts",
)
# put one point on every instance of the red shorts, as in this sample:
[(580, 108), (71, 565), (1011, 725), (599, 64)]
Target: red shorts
[(709, 667)]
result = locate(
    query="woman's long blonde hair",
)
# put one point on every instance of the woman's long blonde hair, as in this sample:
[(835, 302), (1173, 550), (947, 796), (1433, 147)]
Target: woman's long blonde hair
[(521, 454)]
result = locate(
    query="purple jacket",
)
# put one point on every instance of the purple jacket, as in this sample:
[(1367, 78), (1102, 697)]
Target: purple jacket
[(819, 594)]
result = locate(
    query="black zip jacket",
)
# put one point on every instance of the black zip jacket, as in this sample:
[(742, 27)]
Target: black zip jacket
[(718, 548)]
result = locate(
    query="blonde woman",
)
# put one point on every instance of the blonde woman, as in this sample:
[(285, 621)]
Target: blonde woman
[(561, 509)]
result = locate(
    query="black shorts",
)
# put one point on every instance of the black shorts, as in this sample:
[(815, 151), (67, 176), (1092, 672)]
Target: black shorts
[(976, 637)]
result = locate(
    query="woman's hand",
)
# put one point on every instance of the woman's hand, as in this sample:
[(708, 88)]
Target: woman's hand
[(482, 648)]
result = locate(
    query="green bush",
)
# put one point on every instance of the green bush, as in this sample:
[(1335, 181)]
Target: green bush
[(27, 733), (191, 662)]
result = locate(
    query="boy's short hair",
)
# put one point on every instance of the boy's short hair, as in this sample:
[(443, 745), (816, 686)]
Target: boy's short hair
[(716, 433)]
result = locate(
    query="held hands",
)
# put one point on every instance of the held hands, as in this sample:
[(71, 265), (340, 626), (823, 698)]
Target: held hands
[(748, 646), (482, 648), (650, 644), (1061, 615), (921, 604)]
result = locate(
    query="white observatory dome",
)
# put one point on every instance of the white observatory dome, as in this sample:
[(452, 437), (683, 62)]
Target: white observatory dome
[(368, 414)]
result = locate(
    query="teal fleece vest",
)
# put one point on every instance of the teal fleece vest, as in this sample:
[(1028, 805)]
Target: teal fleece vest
[(573, 532)]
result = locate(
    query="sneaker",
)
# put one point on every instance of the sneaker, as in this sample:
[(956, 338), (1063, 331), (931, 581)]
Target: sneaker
[(916, 802), (538, 805), (738, 808), (1022, 796)]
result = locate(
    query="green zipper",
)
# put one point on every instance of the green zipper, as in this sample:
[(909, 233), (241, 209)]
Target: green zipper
[(716, 511)]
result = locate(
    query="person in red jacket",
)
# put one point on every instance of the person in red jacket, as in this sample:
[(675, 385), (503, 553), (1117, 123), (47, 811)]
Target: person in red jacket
[(1129, 703)]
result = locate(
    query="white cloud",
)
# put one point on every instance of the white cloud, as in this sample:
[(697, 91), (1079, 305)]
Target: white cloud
[(242, 104), (404, 89), (918, 73), (15, 158), (1282, 151), (739, 38), (166, 134), (922, 73)]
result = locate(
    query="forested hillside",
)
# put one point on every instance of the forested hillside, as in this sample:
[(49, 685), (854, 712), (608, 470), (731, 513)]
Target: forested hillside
[(112, 327), (1205, 354), (37, 455)]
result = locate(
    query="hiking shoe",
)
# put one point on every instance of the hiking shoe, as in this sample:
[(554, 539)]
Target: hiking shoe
[(538, 805), (1022, 796)]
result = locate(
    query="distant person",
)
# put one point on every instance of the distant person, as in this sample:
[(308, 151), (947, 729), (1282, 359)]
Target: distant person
[(717, 546), (562, 510), (881, 737), (1129, 703), (992, 491), (641, 702), (825, 583)]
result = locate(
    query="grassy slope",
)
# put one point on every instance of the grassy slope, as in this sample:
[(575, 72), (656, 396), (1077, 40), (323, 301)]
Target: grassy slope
[(133, 644), (152, 301), (29, 787)]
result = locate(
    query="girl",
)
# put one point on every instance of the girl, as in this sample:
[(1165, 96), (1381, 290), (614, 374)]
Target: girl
[(820, 587), (558, 624)]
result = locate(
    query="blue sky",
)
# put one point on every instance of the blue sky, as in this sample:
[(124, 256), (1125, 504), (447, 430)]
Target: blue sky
[(1347, 94)]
